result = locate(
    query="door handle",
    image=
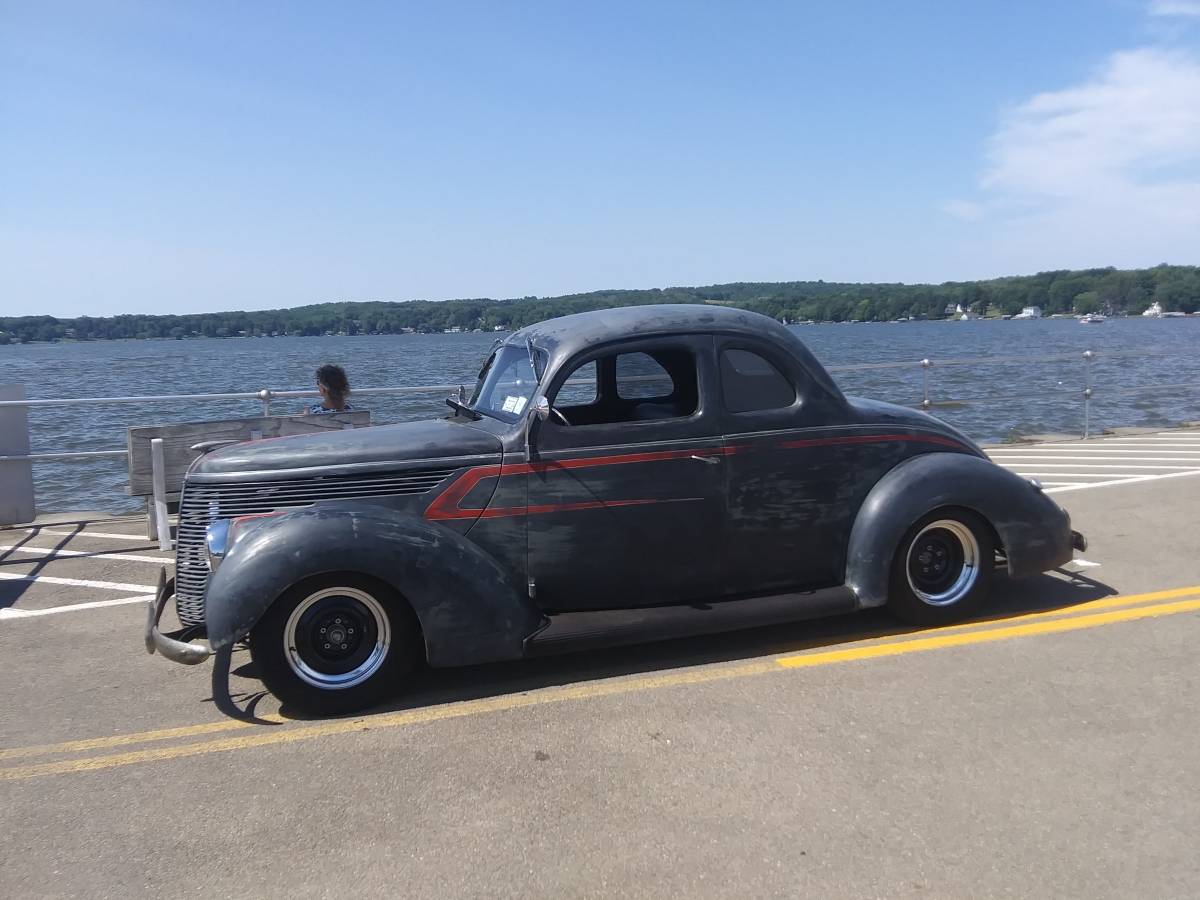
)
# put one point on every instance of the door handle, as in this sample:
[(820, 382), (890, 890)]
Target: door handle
[(711, 460)]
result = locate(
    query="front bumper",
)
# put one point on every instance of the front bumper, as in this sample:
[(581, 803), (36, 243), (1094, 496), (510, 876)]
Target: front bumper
[(189, 654)]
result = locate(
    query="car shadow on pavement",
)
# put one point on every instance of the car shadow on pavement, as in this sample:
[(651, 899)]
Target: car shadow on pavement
[(434, 687)]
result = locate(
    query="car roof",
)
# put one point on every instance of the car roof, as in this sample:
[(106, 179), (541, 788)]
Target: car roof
[(566, 336)]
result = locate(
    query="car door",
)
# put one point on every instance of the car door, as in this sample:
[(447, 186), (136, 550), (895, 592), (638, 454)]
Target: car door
[(626, 488), (786, 473)]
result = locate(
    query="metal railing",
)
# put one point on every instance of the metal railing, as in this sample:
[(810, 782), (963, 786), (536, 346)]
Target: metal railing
[(1084, 395), (265, 396)]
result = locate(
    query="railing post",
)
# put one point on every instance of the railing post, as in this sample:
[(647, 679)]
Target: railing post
[(16, 475), (1088, 356), (265, 396), (925, 365), (158, 483)]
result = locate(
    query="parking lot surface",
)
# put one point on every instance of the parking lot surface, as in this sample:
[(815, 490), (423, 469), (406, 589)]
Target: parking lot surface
[(1046, 750)]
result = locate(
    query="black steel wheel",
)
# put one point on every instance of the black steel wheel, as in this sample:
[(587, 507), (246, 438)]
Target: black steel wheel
[(942, 569), (335, 644)]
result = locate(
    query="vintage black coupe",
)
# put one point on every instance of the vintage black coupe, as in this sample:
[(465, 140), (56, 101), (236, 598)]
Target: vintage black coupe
[(615, 476)]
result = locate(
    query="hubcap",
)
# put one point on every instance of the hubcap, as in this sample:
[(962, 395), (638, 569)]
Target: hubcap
[(943, 562), (337, 638)]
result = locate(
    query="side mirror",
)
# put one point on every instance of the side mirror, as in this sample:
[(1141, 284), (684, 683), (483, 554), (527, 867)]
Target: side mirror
[(541, 409)]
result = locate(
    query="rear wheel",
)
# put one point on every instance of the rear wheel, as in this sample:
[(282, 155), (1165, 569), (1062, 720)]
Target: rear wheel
[(335, 644), (942, 569)]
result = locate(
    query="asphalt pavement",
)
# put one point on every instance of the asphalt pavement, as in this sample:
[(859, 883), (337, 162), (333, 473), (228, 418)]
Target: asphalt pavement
[(1046, 750)]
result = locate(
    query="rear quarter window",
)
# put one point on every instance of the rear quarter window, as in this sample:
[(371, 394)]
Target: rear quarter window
[(750, 382)]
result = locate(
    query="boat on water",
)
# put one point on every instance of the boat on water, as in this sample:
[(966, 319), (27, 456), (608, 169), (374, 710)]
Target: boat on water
[(1092, 319), (1155, 311)]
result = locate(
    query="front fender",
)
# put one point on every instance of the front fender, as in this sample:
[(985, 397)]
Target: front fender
[(467, 605), (1033, 530)]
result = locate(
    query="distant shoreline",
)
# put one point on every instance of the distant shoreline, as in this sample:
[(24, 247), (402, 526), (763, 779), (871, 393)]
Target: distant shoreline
[(1111, 292), (68, 342)]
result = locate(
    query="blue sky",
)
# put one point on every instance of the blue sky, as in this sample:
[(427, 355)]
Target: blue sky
[(173, 157)]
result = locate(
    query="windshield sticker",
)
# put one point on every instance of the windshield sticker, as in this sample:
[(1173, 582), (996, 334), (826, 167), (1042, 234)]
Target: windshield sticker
[(514, 404)]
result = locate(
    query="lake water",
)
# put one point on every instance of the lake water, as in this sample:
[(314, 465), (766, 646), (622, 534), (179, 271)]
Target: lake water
[(1160, 358)]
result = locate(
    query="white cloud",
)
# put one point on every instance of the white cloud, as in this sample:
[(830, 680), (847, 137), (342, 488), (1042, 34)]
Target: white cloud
[(1140, 117), (1105, 172), (1186, 8)]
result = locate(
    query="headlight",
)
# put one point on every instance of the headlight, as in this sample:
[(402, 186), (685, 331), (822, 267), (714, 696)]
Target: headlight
[(216, 539)]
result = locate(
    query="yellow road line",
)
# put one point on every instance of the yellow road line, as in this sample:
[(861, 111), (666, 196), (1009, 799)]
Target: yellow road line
[(141, 737), (1063, 611), (391, 720), (207, 728), (986, 635), (900, 634), (588, 691)]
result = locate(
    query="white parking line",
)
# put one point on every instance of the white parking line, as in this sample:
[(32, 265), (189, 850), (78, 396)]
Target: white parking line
[(79, 582), (1098, 449), (1079, 477), (108, 535), (50, 553), (1079, 460), (55, 610), (1123, 450), (1135, 480), (1100, 463), (1046, 464)]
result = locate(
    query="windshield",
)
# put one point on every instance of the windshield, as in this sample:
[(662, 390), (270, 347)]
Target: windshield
[(506, 384)]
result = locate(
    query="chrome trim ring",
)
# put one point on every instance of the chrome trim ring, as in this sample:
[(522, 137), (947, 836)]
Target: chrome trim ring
[(357, 605), (945, 555)]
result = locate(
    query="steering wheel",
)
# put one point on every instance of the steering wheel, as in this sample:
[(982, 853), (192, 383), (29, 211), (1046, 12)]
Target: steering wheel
[(560, 415)]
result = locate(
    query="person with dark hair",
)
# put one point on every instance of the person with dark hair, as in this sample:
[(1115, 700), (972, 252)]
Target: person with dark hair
[(334, 387)]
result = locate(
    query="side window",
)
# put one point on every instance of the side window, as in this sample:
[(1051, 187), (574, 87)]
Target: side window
[(749, 383), (580, 389), (640, 376), (630, 387)]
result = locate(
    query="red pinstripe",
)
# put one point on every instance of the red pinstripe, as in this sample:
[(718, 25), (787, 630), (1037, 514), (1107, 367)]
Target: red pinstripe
[(445, 506)]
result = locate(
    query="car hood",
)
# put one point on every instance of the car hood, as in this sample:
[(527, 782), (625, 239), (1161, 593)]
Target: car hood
[(877, 412), (434, 440)]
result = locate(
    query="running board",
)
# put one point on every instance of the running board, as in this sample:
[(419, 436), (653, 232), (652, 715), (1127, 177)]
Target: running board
[(611, 628)]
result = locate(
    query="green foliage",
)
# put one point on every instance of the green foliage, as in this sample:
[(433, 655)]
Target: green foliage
[(1088, 290)]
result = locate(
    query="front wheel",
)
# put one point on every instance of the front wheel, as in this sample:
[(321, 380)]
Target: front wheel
[(942, 569), (334, 644)]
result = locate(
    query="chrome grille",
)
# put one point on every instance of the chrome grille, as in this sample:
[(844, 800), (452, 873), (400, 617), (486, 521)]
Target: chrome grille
[(202, 502)]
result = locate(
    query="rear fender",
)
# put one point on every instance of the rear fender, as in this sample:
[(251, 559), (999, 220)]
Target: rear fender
[(1033, 530), (467, 605)]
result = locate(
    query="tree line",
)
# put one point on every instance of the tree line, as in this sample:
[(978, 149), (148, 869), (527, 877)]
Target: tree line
[(1111, 291)]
